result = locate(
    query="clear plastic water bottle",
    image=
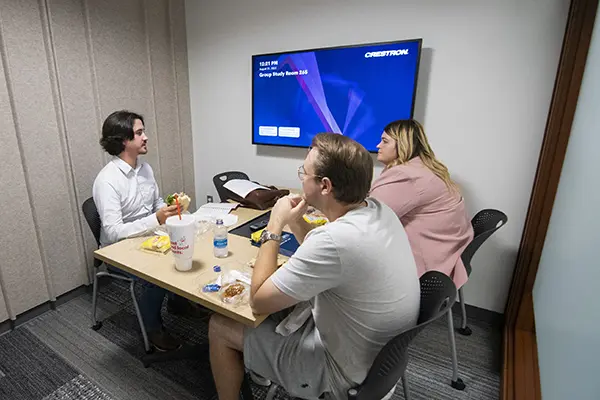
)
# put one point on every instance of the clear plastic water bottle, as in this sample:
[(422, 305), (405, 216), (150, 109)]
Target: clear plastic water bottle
[(220, 240)]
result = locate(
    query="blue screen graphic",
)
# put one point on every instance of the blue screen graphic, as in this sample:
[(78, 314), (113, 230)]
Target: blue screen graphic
[(355, 91)]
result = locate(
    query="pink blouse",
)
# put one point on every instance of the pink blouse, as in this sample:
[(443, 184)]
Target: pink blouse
[(435, 218)]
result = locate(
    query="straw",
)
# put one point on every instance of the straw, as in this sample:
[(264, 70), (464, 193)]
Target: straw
[(178, 209)]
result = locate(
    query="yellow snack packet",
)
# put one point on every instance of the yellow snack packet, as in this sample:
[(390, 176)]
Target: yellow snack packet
[(315, 217), (159, 244), (255, 236), (315, 220)]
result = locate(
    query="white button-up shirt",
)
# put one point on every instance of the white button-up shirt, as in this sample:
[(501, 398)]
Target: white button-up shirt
[(126, 199)]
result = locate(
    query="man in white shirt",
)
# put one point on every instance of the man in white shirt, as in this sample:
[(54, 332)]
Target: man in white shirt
[(356, 275), (129, 205)]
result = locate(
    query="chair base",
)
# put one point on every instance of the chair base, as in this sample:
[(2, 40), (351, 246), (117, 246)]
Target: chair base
[(466, 331), (97, 325), (459, 384)]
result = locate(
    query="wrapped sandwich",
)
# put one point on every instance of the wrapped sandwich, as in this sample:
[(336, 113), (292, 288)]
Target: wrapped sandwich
[(184, 200)]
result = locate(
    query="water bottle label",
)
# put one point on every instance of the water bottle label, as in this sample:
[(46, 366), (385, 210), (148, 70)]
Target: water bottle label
[(220, 243)]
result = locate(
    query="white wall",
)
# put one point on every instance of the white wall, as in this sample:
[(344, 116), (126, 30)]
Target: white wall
[(485, 85), (567, 312)]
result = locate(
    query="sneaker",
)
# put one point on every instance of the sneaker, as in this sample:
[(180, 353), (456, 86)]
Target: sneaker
[(163, 341)]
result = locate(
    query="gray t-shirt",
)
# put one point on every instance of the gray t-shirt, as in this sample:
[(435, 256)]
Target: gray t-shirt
[(360, 277)]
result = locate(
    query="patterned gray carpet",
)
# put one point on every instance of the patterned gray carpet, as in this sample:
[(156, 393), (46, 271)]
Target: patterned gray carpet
[(31, 370), (57, 356)]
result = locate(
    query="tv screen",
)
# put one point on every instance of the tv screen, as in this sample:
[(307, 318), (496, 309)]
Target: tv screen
[(354, 90)]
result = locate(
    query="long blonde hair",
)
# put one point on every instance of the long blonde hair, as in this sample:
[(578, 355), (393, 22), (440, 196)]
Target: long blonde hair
[(411, 142)]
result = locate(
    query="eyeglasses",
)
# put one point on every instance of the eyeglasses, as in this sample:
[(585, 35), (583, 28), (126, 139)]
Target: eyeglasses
[(302, 173)]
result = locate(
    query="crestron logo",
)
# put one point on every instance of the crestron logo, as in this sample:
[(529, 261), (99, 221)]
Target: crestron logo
[(386, 53)]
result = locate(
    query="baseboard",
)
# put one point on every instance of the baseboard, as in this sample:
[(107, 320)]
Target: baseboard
[(481, 314), (35, 312)]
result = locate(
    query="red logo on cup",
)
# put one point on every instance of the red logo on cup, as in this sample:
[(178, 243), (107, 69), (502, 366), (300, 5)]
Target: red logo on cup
[(178, 246)]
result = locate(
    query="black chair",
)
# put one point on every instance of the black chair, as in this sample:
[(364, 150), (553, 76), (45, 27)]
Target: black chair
[(485, 223), (93, 219), (438, 294), (221, 179)]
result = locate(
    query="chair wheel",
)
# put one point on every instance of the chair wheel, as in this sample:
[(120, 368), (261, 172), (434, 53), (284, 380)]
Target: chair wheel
[(97, 326), (459, 384), (466, 331)]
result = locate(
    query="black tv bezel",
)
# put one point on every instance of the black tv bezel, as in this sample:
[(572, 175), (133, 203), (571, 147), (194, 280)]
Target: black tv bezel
[(414, 95)]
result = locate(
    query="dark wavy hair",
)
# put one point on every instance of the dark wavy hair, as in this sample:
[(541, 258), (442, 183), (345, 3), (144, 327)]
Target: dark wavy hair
[(116, 129)]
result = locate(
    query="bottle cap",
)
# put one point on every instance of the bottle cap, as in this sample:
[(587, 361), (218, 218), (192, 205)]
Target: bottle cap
[(217, 268), (219, 221)]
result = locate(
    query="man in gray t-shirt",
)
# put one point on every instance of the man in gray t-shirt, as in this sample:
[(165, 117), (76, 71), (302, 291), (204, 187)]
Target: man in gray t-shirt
[(355, 276)]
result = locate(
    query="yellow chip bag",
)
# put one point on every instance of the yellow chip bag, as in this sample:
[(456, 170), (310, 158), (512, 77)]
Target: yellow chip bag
[(315, 220), (159, 244), (315, 217)]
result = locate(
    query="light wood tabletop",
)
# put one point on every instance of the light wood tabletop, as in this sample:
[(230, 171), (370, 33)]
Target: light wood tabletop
[(160, 268)]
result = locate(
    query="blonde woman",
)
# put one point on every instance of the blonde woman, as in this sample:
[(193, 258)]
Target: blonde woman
[(417, 186)]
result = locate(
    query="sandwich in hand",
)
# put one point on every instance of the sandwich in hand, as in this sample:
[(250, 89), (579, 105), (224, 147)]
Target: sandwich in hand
[(184, 200)]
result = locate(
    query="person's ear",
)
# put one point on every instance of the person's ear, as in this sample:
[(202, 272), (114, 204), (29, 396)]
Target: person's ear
[(326, 186)]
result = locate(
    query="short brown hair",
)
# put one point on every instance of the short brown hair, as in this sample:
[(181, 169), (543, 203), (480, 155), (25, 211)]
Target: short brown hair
[(346, 163)]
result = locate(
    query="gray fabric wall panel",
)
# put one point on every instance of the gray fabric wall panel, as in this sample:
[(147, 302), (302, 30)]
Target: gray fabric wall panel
[(122, 65), (20, 263), (165, 95), (67, 64), (177, 16), (78, 103), (3, 311), (42, 147)]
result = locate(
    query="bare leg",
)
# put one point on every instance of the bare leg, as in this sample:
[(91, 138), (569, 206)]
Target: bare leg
[(226, 340)]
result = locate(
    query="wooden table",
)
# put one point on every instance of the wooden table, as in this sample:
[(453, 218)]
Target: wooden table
[(160, 268)]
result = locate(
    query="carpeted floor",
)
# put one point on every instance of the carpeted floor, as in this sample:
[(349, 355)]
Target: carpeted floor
[(31, 370), (57, 356)]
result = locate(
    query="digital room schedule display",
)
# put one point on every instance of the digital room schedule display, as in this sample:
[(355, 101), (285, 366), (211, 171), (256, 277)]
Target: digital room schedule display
[(354, 91)]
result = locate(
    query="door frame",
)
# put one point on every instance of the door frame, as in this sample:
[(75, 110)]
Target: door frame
[(520, 372)]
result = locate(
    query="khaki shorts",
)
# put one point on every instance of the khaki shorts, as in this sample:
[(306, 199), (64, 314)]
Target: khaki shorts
[(297, 362)]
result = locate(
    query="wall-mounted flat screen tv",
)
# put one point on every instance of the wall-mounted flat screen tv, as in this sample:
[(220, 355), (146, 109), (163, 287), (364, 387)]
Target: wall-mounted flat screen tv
[(352, 90)]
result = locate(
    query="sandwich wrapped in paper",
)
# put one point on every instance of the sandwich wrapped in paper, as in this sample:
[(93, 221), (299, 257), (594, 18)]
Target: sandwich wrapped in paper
[(184, 200)]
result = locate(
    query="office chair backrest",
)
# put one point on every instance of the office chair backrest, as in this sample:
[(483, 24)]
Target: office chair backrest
[(220, 179), (90, 212), (438, 294), (485, 223)]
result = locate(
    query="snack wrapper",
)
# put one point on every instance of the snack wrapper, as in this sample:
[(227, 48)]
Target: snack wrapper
[(235, 293), (233, 287), (315, 217), (157, 244)]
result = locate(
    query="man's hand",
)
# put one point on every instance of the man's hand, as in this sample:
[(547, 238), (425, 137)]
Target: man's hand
[(166, 212), (288, 209)]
